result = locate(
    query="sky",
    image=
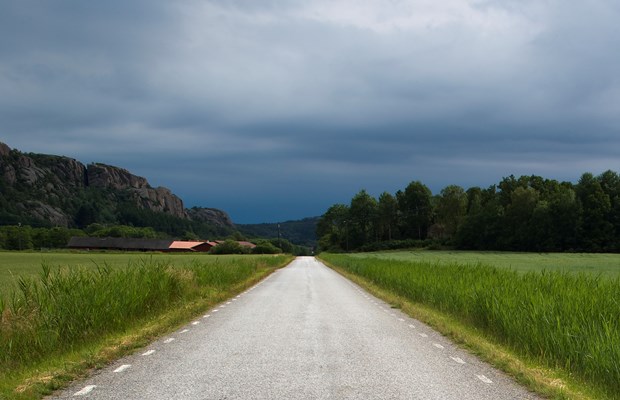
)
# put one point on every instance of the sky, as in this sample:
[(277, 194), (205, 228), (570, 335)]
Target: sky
[(274, 110)]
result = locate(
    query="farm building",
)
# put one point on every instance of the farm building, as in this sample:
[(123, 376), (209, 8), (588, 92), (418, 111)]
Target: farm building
[(131, 244), (185, 246)]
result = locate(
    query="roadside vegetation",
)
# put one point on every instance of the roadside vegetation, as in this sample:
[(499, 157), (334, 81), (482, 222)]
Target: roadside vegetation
[(559, 320), (67, 319)]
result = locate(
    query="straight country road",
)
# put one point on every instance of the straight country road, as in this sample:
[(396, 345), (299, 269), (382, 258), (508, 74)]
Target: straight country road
[(303, 333)]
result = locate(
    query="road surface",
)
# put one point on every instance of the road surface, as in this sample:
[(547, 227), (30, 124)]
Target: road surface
[(303, 333)]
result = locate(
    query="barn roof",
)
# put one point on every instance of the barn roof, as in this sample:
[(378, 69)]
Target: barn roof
[(183, 244)]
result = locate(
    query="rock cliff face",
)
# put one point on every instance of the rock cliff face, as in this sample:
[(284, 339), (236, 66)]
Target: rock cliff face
[(4, 150), (212, 215), (51, 188), (158, 199), (108, 177)]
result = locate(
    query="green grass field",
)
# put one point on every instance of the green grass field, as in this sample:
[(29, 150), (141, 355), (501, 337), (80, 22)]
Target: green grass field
[(606, 265), (16, 264)]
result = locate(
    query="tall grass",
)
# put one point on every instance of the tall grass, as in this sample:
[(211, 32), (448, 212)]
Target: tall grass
[(64, 308), (571, 321)]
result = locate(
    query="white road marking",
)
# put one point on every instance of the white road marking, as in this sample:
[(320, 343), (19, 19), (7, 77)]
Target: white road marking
[(229, 302), (423, 335), (85, 391), (222, 306), (122, 368), (393, 315), (185, 331), (195, 322), (458, 360), (207, 316), (484, 379), (438, 345), (169, 340), (148, 353), (401, 320), (234, 299), (216, 310), (411, 326)]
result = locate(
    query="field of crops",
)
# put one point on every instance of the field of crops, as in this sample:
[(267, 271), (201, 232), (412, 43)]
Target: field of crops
[(72, 300), (561, 319)]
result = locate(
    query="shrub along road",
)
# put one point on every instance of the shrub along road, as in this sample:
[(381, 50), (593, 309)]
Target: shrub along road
[(304, 332)]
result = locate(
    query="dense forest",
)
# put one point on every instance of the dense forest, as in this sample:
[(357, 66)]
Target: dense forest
[(529, 213)]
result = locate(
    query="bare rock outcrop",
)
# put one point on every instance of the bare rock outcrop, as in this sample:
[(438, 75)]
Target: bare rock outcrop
[(4, 150), (47, 212), (109, 177), (155, 199), (161, 199), (212, 215)]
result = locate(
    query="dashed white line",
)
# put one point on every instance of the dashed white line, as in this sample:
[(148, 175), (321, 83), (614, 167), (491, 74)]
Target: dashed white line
[(148, 353), (438, 345), (411, 326), (122, 368), (458, 360), (229, 302), (216, 310), (85, 391), (423, 334), (484, 379), (207, 316), (195, 322), (169, 340), (184, 331), (401, 320)]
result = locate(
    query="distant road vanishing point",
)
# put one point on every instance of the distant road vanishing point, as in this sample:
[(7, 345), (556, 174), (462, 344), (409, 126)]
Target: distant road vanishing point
[(303, 333)]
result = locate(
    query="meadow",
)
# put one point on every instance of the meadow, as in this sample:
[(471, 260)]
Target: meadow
[(23, 264), (603, 264), (543, 312), (57, 305)]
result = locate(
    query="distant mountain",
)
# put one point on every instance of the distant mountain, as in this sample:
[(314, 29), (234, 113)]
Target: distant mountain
[(302, 232), (49, 190)]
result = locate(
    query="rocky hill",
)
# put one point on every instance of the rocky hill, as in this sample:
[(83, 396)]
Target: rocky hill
[(50, 190)]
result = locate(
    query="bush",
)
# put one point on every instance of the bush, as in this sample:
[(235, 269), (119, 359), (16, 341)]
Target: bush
[(266, 248), (229, 247)]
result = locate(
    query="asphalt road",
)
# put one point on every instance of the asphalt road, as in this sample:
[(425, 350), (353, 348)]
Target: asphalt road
[(303, 333)]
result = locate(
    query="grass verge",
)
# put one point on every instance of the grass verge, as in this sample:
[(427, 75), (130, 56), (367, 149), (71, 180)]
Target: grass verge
[(549, 379), (69, 321)]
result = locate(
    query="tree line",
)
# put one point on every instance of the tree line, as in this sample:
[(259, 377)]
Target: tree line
[(529, 213), (26, 237)]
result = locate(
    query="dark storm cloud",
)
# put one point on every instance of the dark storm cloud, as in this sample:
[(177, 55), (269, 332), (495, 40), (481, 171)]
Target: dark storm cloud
[(277, 109)]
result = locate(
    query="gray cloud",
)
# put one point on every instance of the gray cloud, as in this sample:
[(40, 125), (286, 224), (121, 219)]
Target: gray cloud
[(276, 109)]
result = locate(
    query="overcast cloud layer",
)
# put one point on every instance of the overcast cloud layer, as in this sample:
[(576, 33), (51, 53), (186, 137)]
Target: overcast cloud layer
[(276, 109)]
